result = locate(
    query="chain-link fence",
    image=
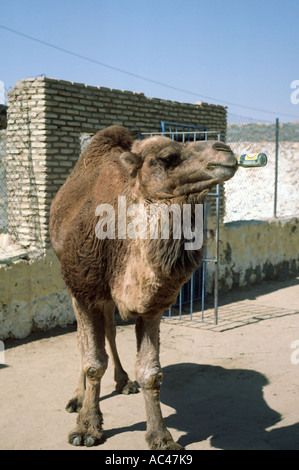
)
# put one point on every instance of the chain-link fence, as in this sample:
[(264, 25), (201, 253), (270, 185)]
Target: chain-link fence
[(271, 191)]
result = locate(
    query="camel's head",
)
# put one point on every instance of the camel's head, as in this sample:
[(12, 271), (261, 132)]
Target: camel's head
[(165, 169)]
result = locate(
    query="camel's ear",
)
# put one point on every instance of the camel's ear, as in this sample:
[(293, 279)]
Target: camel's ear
[(132, 162)]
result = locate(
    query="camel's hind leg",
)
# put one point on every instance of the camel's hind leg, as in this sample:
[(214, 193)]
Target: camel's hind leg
[(122, 382), (91, 328)]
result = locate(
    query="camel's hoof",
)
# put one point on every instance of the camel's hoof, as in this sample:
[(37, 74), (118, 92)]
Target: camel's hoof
[(127, 389), (88, 431), (90, 441), (77, 439), (162, 442), (169, 445), (74, 405)]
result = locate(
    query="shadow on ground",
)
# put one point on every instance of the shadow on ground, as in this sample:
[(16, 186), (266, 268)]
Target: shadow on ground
[(252, 292), (226, 406)]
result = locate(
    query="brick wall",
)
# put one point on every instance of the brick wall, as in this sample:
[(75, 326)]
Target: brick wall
[(45, 119)]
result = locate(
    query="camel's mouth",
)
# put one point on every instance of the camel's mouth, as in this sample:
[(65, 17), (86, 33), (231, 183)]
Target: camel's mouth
[(216, 172), (192, 188), (225, 170), (223, 164)]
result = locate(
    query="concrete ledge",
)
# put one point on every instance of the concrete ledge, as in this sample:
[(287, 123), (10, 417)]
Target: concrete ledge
[(33, 296), (255, 250)]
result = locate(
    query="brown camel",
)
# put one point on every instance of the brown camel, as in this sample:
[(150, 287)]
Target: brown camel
[(140, 274)]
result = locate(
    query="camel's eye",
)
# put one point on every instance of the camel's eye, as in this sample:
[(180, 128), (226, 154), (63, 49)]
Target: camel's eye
[(169, 161)]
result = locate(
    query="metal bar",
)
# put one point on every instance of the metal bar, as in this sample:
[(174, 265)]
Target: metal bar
[(203, 280), (180, 303), (181, 133), (276, 165), (204, 265), (217, 258), (216, 287), (191, 296)]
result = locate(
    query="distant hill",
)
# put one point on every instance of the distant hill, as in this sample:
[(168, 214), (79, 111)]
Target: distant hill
[(253, 132)]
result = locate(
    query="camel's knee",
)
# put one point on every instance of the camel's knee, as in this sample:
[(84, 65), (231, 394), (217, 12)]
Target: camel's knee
[(96, 369), (149, 378)]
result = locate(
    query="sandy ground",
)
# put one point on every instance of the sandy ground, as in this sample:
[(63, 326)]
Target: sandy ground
[(234, 386)]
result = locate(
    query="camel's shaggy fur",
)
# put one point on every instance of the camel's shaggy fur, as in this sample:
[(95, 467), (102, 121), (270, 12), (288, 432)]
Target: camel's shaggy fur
[(142, 277)]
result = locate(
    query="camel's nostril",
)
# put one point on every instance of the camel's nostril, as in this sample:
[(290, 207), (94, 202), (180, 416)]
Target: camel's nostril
[(221, 147)]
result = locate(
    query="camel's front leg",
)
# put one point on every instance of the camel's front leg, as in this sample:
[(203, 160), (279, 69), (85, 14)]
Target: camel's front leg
[(149, 376)]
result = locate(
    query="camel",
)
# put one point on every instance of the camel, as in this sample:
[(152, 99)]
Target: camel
[(140, 275)]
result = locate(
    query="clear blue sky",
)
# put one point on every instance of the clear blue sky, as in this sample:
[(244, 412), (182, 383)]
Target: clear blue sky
[(219, 51)]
